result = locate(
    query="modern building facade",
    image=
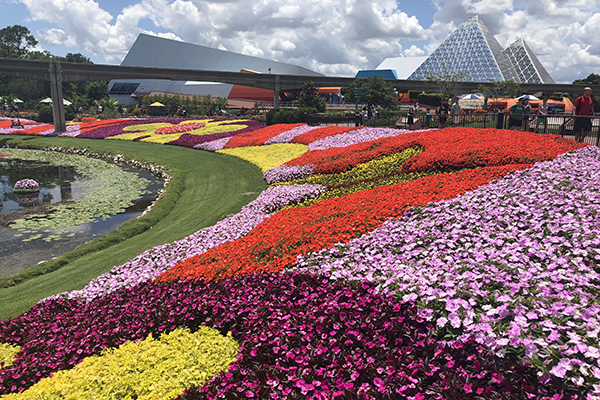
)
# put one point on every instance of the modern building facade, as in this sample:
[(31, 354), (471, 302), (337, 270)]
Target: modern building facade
[(154, 51)]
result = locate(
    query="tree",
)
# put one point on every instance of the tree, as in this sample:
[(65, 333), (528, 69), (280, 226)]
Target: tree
[(16, 41), (310, 98), (592, 79), (380, 93), (446, 82), (497, 89)]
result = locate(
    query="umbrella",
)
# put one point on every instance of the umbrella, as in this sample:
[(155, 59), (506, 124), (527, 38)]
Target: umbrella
[(528, 96), (157, 104), (48, 100), (471, 97), (18, 101)]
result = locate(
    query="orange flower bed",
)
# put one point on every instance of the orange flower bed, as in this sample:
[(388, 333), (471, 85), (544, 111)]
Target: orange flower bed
[(445, 149), (36, 130), (260, 136), (87, 126), (275, 243), (316, 134)]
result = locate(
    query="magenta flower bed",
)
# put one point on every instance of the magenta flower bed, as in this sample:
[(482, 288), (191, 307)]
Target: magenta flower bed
[(188, 140), (114, 130), (301, 336)]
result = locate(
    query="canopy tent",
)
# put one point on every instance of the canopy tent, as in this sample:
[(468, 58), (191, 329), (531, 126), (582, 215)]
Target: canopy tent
[(18, 101), (528, 96), (157, 104), (471, 97), (48, 100)]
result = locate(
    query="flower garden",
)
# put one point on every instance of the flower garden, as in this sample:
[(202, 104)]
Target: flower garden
[(380, 264)]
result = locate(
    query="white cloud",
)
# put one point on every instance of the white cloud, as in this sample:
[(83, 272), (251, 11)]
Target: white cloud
[(335, 37), (331, 36)]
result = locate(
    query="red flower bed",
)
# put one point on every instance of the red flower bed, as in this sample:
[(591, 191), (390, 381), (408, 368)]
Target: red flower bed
[(180, 128), (36, 130), (451, 148), (316, 134), (260, 136), (87, 126), (277, 241)]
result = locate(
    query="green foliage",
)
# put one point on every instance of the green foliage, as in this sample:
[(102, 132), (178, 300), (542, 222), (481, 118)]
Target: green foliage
[(378, 92), (446, 82), (148, 369), (7, 354), (432, 99), (505, 89), (45, 114), (289, 115), (309, 98), (16, 41), (194, 105), (592, 79)]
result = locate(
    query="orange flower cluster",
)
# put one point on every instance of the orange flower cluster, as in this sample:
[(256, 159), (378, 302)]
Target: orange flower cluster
[(92, 123), (444, 149), (275, 243), (259, 137), (36, 130), (316, 134), (180, 128)]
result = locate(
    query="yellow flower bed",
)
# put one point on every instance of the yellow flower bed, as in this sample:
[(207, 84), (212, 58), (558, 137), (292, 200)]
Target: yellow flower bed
[(150, 130), (7, 354), (379, 172), (269, 156), (147, 369)]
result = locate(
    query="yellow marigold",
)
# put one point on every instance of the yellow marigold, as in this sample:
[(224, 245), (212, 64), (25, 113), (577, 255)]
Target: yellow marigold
[(153, 137), (147, 369), (7, 354), (269, 156)]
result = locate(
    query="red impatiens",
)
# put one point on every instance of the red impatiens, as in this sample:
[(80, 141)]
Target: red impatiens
[(258, 137), (444, 149), (277, 242)]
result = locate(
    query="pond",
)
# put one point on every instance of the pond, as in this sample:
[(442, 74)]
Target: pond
[(79, 200)]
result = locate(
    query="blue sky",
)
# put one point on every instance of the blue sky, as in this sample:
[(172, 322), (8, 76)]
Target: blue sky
[(335, 37)]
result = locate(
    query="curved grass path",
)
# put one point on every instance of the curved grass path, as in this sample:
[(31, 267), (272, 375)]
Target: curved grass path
[(205, 187)]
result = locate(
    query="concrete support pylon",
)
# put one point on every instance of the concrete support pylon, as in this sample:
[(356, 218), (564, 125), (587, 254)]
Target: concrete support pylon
[(276, 92), (58, 108)]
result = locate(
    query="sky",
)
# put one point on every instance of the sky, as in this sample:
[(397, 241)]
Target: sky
[(334, 37)]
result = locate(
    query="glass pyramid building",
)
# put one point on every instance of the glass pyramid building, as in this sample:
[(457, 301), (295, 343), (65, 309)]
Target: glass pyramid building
[(472, 50)]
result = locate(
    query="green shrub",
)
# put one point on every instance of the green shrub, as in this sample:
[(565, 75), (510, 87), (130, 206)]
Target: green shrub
[(432, 99), (45, 114), (289, 115)]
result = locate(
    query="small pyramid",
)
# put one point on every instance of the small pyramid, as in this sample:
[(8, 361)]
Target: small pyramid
[(521, 65)]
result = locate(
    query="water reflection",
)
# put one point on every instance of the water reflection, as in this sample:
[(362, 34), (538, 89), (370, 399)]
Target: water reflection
[(58, 184)]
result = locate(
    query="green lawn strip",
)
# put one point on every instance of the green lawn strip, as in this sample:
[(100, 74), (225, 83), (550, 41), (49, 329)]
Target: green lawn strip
[(205, 187)]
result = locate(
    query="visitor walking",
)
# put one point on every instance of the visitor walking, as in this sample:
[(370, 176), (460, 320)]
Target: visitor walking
[(583, 109)]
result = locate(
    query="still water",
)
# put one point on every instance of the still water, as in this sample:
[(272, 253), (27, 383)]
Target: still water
[(59, 184)]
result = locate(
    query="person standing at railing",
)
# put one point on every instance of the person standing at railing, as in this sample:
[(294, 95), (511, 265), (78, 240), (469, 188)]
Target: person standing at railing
[(455, 110), (583, 109), (526, 114), (516, 114), (542, 118), (443, 112)]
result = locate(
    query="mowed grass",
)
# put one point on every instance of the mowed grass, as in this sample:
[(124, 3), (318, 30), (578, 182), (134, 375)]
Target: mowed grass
[(205, 187)]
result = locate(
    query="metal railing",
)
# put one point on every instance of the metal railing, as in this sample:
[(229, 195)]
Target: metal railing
[(560, 124)]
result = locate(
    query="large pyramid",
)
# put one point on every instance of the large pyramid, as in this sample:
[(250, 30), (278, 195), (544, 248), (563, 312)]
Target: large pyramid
[(473, 50)]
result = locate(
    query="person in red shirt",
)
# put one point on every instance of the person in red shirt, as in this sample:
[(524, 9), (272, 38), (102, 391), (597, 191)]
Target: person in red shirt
[(584, 107)]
